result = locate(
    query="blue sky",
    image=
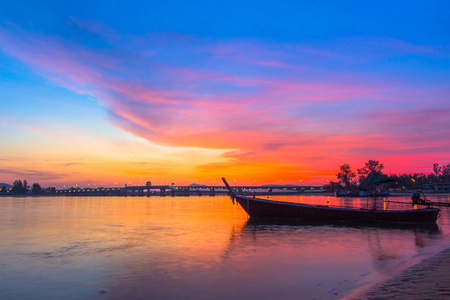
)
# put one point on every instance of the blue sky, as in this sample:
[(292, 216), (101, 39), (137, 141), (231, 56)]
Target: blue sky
[(423, 22)]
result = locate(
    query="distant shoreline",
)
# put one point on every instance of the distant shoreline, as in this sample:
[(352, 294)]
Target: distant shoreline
[(392, 194)]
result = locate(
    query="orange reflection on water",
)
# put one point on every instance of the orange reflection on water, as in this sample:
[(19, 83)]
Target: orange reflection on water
[(188, 248)]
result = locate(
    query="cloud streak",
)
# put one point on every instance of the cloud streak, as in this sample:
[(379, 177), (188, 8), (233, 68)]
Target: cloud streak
[(33, 174)]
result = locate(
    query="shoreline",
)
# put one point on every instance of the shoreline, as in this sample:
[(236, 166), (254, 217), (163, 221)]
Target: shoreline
[(393, 194), (428, 279)]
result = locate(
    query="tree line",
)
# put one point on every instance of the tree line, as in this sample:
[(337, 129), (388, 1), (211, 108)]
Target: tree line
[(22, 188), (349, 179)]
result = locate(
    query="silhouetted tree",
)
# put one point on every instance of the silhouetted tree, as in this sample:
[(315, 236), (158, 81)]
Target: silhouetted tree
[(371, 168), (394, 184), (445, 173), (436, 169), (408, 181), (332, 186), (25, 187), (36, 188), (4, 190), (346, 175), (17, 187), (431, 178)]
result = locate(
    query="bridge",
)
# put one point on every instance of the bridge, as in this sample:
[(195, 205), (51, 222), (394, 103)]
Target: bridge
[(173, 190)]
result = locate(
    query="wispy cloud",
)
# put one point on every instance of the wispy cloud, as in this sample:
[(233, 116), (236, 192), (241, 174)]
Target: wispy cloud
[(95, 27), (32, 174)]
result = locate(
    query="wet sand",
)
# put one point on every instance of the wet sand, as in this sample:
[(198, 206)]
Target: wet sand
[(429, 279)]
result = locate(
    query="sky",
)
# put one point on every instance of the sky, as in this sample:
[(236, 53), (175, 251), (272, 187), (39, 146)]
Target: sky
[(122, 92)]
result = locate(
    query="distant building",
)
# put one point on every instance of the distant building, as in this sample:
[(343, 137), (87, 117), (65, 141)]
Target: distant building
[(428, 186), (442, 186)]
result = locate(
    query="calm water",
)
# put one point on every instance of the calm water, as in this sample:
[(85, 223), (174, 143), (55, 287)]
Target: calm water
[(192, 248)]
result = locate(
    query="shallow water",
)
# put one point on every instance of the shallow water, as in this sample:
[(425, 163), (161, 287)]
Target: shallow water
[(193, 248)]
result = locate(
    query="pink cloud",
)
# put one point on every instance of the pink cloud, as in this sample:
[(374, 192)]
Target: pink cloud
[(95, 27), (403, 46)]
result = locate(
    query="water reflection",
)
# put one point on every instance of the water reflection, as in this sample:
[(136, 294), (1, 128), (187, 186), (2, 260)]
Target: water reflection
[(342, 248), (191, 248), (381, 238)]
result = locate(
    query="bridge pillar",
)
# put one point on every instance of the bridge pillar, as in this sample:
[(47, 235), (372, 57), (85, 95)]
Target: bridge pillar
[(148, 192), (212, 192), (186, 192), (270, 190), (162, 192), (173, 192)]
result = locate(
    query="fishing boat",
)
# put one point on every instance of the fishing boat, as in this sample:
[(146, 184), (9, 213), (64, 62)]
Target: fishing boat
[(268, 209)]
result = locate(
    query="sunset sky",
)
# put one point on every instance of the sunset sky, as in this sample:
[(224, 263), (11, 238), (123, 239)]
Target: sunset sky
[(115, 92)]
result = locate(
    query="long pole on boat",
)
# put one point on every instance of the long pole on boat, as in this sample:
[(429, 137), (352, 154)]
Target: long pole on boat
[(231, 191), (226, 184)]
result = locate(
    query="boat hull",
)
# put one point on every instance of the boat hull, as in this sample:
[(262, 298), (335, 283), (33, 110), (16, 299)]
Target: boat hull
[(260, 208)]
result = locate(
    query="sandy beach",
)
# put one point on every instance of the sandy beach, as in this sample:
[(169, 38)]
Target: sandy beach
[(428, 279)]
